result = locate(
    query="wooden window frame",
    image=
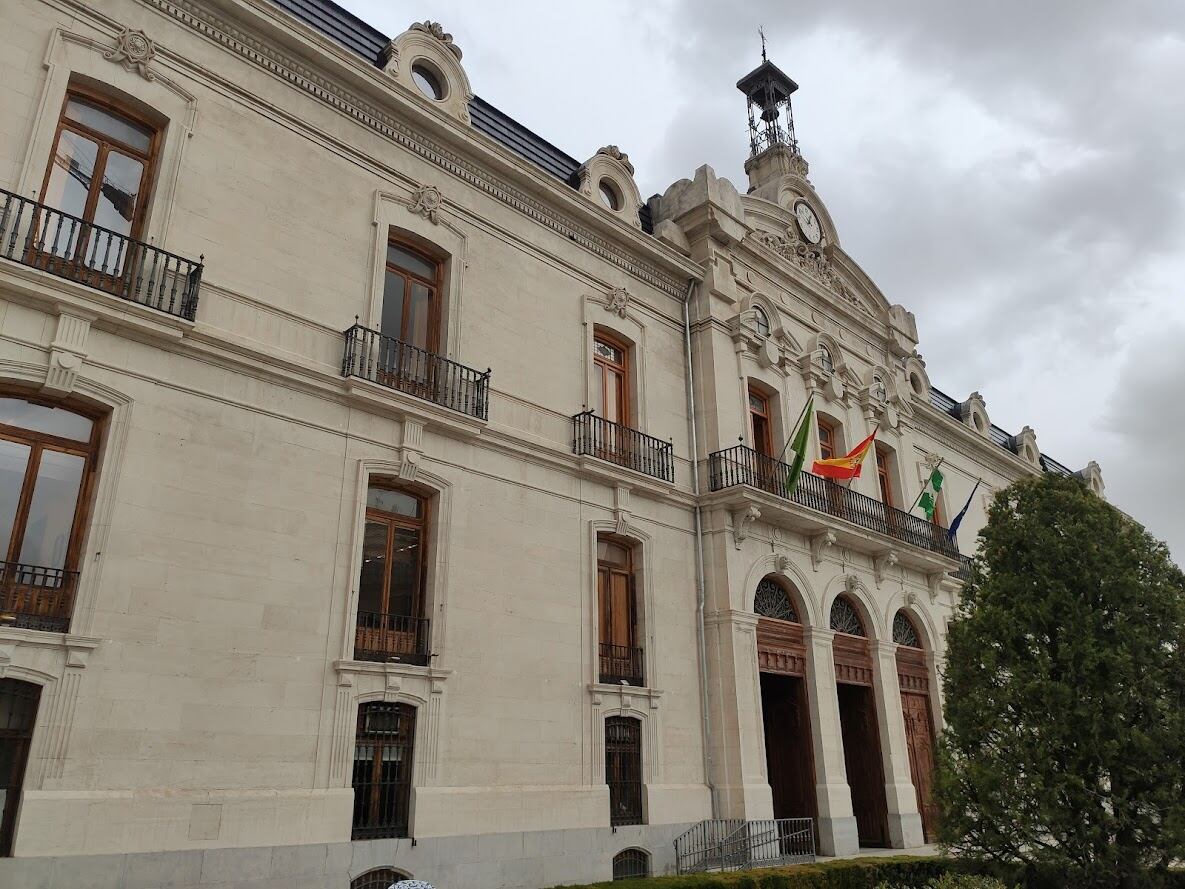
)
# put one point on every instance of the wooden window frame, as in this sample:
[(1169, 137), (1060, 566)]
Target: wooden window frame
[(393, 520), (831, 450), (105, 143), (435, 285), (763, 443), (884, 477), (618, 666), (23, 739), (38, 442), (606, 368)]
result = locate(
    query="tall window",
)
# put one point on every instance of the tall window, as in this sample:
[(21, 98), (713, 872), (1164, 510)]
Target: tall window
[(391, 583), (46, 462), (100, 171), (18, 713), (620, 653), (882, 477), (610, 379), (411, 302), (759, 416), (827, 442), (383, 751), (623, 769)]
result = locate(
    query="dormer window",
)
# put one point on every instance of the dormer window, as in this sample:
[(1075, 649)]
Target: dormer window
[(825, 359), (427, 81), (761, 321), (609, 195)]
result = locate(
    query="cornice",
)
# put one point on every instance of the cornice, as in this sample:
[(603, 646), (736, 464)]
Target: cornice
[(815, 295), (218, 29), (949, 432)]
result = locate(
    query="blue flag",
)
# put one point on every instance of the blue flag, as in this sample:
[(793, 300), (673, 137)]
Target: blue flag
[(954, 526)]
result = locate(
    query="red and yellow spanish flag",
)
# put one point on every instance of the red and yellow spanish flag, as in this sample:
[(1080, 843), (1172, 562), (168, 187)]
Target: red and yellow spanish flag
[(842, 469)]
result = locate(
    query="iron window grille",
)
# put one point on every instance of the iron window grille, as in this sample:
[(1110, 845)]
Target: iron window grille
[(772, 600), (631, 864), (383, 753), (623, 769)]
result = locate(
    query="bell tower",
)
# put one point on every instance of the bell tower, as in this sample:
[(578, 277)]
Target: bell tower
[(773, 147)]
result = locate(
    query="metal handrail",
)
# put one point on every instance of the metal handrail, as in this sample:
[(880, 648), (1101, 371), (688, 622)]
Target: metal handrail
[(391, 637), (620, 663), (390, 362), (741, 465), (34, 597), (73, 248), (622, 445)]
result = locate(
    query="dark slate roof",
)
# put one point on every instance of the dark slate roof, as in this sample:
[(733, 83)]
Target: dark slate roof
[(948, 405), (361, 39)]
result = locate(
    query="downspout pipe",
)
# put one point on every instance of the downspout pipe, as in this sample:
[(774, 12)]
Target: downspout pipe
[(700, 594)]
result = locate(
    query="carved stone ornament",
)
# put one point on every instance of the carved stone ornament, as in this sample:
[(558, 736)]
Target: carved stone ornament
[(134, 51), (782, 563), (809, 258), (817, 543), (742, 519), (437, 30), (881, 563), (618, 155), (798, 165), (934, 582), (617, 301), (426, 201)]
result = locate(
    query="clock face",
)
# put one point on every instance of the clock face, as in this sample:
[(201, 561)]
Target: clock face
[(808, 222)]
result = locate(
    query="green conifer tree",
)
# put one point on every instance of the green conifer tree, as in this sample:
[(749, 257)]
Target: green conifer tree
[(1064, 746)]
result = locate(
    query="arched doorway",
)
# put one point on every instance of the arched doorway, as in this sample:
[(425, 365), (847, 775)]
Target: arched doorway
[(857, 717), (18, 713), (785, 714), (914, 679)]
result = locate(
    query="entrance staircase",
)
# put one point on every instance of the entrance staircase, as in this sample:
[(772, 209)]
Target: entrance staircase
[(735, 844)]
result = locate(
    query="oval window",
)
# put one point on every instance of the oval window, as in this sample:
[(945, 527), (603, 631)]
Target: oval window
[(427, 81), (609, 196)]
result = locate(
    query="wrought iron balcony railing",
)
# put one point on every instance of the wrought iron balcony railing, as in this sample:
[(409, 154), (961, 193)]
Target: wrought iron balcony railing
[(621, 663), (741, 465), (622, 445), (391, 637), (36, 598), (39, 236), (406, 368), (964, 572)]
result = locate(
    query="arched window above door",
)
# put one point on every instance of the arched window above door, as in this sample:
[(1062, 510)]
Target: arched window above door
[(846, 619), (773, 600), (904, 631)]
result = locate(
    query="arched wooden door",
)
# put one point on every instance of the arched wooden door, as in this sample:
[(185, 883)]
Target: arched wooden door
[(18, 713), (913, 676), (858, 724), (785, 712)]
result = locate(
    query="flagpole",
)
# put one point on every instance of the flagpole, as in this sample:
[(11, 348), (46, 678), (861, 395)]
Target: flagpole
[(794, 428), (941, 460)]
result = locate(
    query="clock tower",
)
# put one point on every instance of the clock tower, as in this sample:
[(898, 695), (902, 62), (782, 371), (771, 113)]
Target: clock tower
[(773, 146)]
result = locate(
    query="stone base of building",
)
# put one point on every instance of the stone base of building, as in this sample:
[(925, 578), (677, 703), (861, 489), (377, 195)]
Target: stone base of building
[(838, 836), (525, 860)]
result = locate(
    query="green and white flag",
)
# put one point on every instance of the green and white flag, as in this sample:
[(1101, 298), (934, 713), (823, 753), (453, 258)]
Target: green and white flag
[(929, 499)]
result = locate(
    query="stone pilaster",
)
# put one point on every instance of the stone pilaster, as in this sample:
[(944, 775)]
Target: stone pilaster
[(837, 824), (905, 823), (738, 748)]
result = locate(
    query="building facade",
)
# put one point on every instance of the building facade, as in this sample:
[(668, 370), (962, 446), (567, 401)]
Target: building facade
[(386, 492)]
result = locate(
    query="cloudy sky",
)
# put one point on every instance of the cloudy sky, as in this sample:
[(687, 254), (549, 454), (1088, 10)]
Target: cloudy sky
[(1012, 172)]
